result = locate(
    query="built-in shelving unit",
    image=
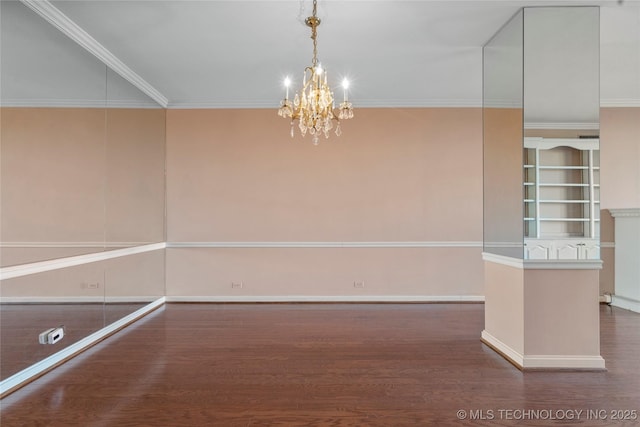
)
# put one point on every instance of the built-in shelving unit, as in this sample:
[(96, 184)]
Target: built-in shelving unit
[(561, 198)]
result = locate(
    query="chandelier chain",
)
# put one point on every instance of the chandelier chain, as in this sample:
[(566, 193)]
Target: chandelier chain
[(314, 33)]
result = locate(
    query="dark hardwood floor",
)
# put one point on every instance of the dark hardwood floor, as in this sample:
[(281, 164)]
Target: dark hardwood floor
[(325, 365)]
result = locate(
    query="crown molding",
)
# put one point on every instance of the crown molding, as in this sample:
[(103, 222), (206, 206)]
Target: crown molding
[(361, 103), (56, 103), (220, 105), (419, 103), (619, 103), (568, 125), (76, 103), (403, 103), (502, 103), (72, 30)]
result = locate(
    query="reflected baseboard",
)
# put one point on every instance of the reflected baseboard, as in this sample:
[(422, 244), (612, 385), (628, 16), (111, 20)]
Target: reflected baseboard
[(80, 300)]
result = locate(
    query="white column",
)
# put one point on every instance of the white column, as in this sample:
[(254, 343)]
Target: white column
[(627, 258)]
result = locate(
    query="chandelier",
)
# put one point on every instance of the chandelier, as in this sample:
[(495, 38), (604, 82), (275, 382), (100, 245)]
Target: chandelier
[(313, 107)]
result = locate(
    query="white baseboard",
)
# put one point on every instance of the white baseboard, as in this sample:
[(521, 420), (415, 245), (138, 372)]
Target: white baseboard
[(625, 303), (543, 362), (510, 354), (564, 362), (330, 298), (606, 298), (17, 380)]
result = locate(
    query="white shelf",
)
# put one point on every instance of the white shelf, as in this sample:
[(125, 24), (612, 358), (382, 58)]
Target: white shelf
[(561, 184), (563, 201), (567, 168), (561, 188), (565, 219)]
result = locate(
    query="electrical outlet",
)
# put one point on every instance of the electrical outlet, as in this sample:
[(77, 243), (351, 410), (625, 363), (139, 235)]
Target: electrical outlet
[(358, 284), (237, 285), (90, 286)]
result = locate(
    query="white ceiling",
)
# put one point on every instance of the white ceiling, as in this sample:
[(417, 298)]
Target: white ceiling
[(396, 53)]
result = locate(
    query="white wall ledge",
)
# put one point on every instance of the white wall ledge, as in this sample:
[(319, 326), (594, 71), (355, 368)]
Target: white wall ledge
[(543, 264), (55, 264), (625, 212), (329, 298), (372, 244)]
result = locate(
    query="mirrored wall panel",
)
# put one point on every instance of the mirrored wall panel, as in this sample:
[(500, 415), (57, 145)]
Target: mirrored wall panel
[(134, 196), (541, 135), (53, 142), (69, 298), (561, 121), (52, 96), (502, 139), (82, 192)]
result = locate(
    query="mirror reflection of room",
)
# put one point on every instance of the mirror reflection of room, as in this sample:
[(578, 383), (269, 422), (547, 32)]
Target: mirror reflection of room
[(81, 190), (561, 156)]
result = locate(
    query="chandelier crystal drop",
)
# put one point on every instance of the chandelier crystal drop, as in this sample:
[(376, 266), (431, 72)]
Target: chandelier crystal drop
[(313, 107)]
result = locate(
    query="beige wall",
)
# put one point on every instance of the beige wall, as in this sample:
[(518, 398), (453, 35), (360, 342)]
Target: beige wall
[(416, 179), (504, 304), (53, 168), (619, 177), (503, 194), (76, 180), (324, 272), (395, 175), (543, 318), (561, 314), (132, 278), (135, 172), (620, 157)]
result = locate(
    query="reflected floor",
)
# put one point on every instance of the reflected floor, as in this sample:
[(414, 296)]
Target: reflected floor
[(21, 324)]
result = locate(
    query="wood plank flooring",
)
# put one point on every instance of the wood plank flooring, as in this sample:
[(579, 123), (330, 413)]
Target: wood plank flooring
[(324, 365)]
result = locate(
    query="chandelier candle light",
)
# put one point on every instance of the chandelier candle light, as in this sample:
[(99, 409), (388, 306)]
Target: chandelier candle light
[(314, 106)]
